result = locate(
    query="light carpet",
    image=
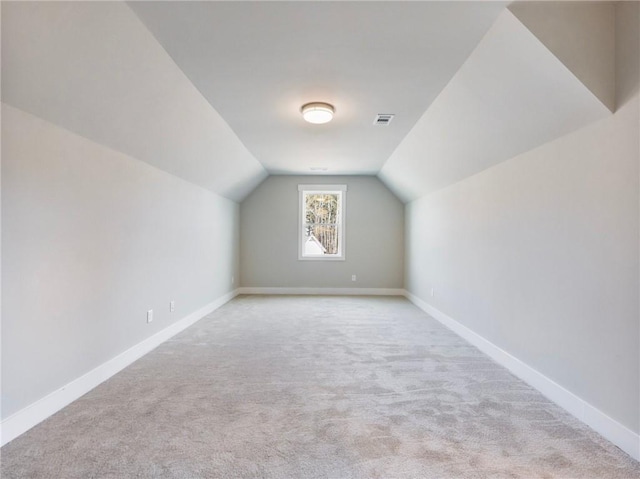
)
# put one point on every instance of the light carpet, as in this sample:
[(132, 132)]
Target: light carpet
[(314, 387)]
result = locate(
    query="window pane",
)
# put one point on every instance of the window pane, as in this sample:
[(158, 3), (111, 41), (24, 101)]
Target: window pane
[(321, 207), (321, 218), (321, 239), (321, 223)]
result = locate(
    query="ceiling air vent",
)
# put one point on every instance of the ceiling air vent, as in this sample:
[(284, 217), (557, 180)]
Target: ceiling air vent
[(383, 119)]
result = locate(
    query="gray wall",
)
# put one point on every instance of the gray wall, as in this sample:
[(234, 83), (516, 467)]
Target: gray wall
[(269, 236), (539, 254), (92, 239)]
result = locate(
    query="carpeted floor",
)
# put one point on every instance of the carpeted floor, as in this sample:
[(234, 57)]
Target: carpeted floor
[(314, 387)]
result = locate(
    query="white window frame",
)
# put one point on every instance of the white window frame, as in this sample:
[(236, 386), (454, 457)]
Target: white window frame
[(342, 213)]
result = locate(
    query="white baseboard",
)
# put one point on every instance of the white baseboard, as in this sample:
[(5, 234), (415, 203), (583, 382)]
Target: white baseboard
[(325, 291), (30, 416), (609, 428), (25, 419)]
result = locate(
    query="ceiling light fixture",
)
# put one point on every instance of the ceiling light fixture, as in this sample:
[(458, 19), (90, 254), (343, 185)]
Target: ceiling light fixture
[(317, 112)]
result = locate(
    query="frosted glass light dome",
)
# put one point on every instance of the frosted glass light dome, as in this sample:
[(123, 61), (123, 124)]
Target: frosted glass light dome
[(317, 112)]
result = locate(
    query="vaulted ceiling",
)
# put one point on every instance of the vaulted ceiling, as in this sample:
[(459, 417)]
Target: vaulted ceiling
[(211, 91)]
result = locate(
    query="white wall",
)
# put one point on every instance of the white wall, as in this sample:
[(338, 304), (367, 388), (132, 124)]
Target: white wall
[(511, 95), (269, 236), (539, 254), (95, 69), (92, 239)]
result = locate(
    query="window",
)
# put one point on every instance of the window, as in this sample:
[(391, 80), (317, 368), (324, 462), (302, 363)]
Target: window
[(321, 222)]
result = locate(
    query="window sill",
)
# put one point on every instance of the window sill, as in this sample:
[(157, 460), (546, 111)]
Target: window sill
[(320, 258)]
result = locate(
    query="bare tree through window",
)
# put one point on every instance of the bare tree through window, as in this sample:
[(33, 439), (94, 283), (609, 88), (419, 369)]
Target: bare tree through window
[(322, 222), (322, 219)]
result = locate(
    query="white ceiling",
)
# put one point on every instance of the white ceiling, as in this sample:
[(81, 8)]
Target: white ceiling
[(93, 68), (211, 91), (510, 96), (257, 63)]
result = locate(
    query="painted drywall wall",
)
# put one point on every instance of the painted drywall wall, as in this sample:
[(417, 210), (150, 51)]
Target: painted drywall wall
[(269, 236), (511, 95), (95, 69), (539, 254), (581, 35), (91, 240)]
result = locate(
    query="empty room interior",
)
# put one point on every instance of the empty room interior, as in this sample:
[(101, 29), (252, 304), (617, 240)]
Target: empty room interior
[(320, 239)]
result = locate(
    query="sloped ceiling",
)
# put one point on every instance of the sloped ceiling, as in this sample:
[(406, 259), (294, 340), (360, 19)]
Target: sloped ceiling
[(510, 96), (94, 68), (581, 35), (211, 91), (257, 63)]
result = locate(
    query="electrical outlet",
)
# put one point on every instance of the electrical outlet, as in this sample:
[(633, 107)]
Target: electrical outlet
[(172, 306), (149, 315), (353, 277)]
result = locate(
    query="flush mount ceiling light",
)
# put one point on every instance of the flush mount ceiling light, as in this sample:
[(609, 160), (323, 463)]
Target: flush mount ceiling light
[(317, 112)]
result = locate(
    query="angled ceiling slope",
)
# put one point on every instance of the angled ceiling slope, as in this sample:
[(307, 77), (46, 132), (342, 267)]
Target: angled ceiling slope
[(581, 35), (258, 62), (511, 95), (94, 68)]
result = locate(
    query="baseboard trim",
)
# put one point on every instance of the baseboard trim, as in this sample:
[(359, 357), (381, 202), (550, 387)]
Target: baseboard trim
[(35, 413), (325, 291), (609, 428)]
